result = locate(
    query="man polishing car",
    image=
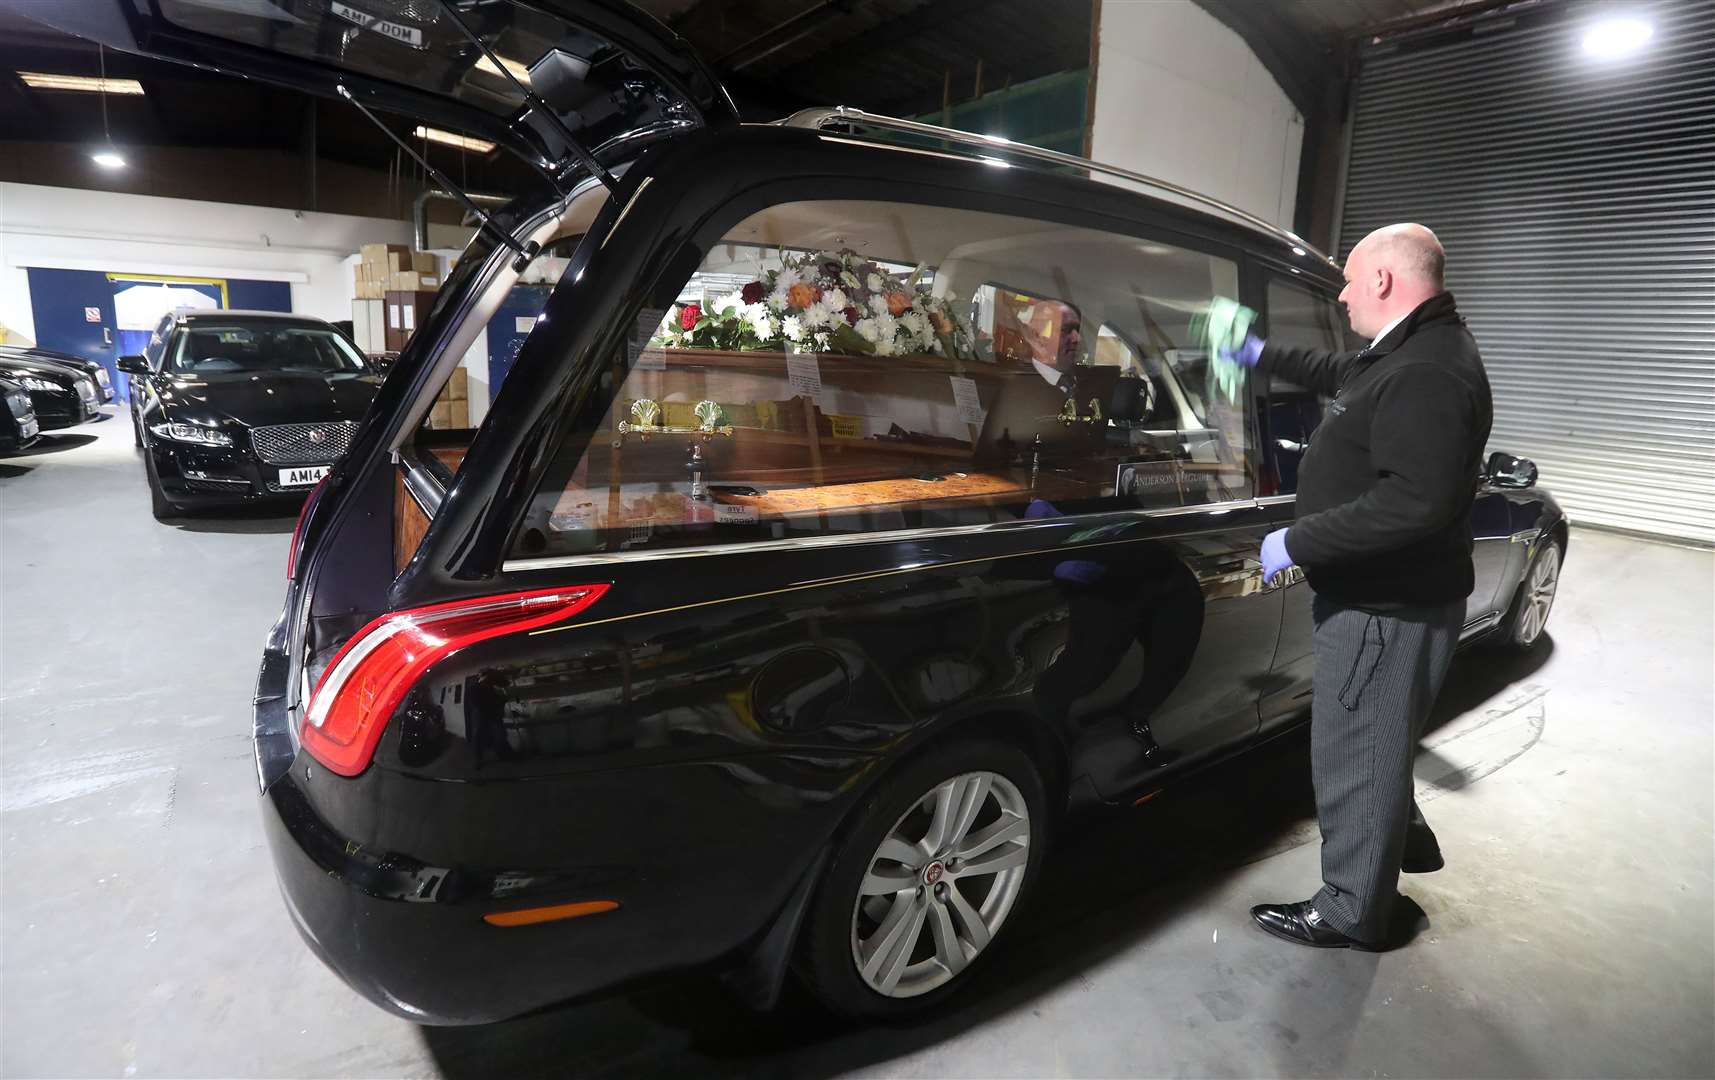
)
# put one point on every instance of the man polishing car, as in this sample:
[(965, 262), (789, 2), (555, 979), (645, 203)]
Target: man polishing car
[(1383, 532)]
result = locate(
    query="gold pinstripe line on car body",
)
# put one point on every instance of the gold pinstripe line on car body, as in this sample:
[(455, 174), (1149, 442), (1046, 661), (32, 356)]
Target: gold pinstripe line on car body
[(849, 579)]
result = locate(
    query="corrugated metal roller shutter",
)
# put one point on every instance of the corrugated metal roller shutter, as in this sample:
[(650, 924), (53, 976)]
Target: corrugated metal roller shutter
[(1576, 200)]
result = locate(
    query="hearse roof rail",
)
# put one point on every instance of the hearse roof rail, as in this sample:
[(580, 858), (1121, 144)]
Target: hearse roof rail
[(822, 117)]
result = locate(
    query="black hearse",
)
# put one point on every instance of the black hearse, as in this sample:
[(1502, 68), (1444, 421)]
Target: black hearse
[(860, 500)]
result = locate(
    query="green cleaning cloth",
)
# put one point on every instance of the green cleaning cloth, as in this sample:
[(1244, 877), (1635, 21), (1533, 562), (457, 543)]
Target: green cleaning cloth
[(1224, 326)]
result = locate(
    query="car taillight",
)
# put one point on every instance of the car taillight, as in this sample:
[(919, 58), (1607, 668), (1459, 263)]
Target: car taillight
[(371, 673), (298, 529)]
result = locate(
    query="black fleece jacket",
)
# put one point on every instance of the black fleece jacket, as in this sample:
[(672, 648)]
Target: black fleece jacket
[(1386, 487)]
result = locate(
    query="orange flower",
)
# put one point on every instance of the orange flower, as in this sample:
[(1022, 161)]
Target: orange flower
[(898, 303), (802, 295)]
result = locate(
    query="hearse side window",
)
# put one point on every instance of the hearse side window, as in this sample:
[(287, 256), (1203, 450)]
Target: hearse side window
[(1297, 316), (854, 366)]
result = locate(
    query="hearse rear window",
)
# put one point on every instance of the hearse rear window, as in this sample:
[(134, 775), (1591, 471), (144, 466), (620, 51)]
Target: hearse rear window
[(846, 367)]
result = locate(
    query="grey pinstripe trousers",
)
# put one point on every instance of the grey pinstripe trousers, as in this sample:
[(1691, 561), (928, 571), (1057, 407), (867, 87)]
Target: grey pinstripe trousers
[(1376, 680)]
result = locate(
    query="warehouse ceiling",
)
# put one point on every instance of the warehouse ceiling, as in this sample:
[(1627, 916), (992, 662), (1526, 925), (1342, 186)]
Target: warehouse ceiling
[(904, 57)]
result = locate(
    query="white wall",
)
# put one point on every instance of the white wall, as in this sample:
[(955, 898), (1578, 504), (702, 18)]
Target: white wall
[(73, 229), (1182, 98)]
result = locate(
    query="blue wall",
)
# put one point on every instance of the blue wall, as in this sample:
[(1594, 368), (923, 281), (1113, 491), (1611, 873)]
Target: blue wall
[(258, 295), (57, 301)]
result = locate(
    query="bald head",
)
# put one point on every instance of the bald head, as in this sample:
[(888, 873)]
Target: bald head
[(1389, 273)]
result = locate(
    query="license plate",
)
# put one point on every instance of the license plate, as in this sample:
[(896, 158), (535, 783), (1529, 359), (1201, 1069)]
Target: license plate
[(30, 427), (304, 476)]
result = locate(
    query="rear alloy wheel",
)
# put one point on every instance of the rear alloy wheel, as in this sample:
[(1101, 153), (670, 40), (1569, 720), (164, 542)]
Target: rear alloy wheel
[(941, 857), (1529, 615)]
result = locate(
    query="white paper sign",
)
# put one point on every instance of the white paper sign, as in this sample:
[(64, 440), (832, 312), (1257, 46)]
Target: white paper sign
[(648, 322), (410, 314), (405, 35), (805, 375), (91, 314), (523, 324), (965, 397), (733, 514), (393, 316)]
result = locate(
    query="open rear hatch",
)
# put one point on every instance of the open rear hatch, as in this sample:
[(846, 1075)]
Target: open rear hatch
[(612, 78)]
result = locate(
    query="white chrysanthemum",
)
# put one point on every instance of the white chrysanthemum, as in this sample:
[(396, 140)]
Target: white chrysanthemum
[(835, 299), (733, 303), (792, 327), (760, 321), (777, 300), (869, 330), (817, 316), (789, 277), (886, 347), (874, 283), (878, 304)]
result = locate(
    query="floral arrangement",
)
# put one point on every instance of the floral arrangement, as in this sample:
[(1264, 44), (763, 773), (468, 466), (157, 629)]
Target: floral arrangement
[(824, 302)]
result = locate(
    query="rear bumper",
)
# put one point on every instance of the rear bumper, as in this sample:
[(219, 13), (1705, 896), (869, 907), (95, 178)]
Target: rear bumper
[(410, 936)]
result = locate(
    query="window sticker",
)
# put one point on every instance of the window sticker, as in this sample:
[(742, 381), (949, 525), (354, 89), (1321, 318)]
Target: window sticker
[(404, 35)]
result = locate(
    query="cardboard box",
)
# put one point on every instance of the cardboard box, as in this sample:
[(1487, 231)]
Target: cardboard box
[(425, 263), (458, 387), (411, 281), (458, 414), (441, 415), (377, 253)]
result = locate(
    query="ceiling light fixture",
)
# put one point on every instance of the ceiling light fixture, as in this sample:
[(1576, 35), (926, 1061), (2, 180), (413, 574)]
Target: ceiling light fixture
[(518, 71), (43, 80), (449, 138), (108, 155), (1617, 37)]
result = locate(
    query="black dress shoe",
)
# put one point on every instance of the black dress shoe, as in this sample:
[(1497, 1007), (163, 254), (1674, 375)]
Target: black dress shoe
[(1422, 860), (1302, 924)]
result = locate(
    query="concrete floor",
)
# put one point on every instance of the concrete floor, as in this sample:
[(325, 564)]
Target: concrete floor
[(1572, 933)]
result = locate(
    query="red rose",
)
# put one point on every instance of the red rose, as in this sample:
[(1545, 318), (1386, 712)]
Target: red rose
[(851, 314), (689, 314), (753, 293)]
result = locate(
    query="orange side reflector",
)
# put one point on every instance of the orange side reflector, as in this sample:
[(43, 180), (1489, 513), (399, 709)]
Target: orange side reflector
[(533, 915), (1148, 797)]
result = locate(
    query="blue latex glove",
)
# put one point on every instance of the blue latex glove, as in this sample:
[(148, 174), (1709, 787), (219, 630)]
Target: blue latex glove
[(1072, 571), (1275, 557), (1245, 355)]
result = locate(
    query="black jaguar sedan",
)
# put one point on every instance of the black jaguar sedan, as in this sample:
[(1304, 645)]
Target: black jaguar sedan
[(236, 407), (852, 517), (18, 425), (62, 396), (77, 364)]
